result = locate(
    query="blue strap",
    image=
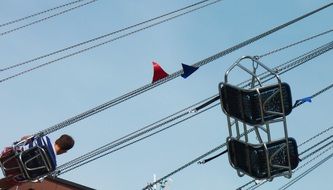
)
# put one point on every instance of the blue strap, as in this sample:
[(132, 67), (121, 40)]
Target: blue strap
[(303, 100)]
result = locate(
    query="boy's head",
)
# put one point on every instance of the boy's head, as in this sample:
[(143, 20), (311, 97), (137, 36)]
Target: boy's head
[(63, 144)]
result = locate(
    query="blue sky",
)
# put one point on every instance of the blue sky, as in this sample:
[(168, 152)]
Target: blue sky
[(66, 88)]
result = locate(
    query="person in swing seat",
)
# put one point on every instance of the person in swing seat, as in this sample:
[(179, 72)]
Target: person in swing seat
[(14, 177)]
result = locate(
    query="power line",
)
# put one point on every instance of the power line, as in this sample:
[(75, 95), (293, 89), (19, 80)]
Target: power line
[(39, 13), (45, 18)]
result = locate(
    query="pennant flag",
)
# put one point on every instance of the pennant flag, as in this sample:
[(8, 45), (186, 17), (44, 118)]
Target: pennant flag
[(303, 100), (188, 70), (159, 73)]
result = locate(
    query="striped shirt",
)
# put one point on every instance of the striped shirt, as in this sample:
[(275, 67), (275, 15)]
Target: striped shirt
[(43, 142)]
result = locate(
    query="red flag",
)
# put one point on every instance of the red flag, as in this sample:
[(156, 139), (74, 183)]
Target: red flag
[(159, 73)]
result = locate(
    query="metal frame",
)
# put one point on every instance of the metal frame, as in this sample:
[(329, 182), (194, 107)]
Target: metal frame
[(265, 125), (22, 166), (18, 167), (42, 155)]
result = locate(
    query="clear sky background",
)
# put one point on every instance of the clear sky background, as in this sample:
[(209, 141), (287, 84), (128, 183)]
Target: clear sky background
[(47, 96)]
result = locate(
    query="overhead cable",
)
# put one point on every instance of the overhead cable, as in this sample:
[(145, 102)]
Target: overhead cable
[(46, 18), (178, 73), (163, 18), (317, 150), (313, 146), (296, 43), (39, 13), (317, 135)]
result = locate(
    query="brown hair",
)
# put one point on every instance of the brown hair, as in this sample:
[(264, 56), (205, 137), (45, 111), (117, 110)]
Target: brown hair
[(65, 142)]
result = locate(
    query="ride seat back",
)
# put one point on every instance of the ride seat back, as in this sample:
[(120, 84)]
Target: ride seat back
[(36, 162), (9, 163), (258, 162), (256, 106)]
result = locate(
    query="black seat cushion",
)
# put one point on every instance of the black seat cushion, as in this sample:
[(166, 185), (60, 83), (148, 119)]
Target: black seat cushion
[(252, 158), (247, 104), (37, 162)]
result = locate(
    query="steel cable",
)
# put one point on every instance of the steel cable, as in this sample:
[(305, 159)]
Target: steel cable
[(39, 13), (45, 18)]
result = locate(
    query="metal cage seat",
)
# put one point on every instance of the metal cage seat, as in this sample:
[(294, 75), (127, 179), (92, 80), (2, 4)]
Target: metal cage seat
[(263, 161), (30, 164), (256, 106), (9, 163)]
